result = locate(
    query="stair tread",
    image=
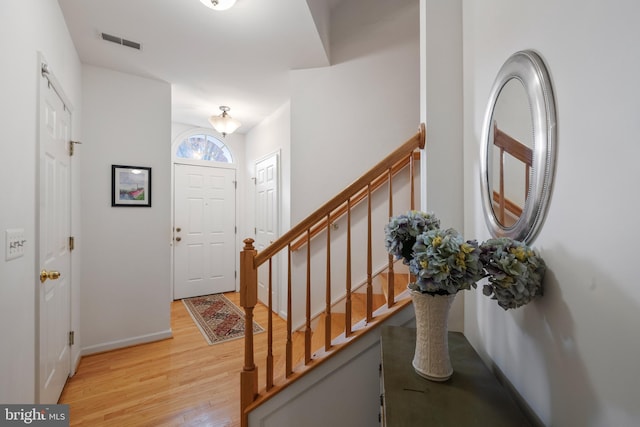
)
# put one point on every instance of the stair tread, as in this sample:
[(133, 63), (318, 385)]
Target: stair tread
[(400, 282), (358, 312), (318, 333)]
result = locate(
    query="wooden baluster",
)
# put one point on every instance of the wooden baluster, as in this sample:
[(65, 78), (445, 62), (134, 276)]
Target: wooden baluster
[(248, 300), (307, 328), (270, 330), (347, 320), (299, 235), (327, 328), (369, 259), (502, 195), (526, 182), (289, 346), (421, 144), (390, 273), (496, 133)]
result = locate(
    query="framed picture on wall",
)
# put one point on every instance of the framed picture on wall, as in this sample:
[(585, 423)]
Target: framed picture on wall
[(130, 186)]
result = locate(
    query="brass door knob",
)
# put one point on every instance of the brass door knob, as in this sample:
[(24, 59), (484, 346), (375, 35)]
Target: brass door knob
[(178, 239), (178, 229), (51, 275)]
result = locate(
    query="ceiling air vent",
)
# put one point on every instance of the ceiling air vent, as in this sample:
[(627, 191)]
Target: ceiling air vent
[(120, 41)]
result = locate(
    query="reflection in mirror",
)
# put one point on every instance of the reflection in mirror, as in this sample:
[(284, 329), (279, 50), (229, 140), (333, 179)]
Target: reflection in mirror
[(512, 153), (518, 148)]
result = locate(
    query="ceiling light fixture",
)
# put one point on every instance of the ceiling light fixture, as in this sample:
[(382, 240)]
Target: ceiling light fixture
[(218, 4), (224, 123)]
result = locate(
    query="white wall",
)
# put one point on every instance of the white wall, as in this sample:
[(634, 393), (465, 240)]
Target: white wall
[(573, 354), (320, 11), (272, 135), (347, 117), (441, 111), (26, 28), (126, 257)]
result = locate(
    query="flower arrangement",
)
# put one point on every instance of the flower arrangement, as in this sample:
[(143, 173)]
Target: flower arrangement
[(444, 263), (402, 230), (515, 272)]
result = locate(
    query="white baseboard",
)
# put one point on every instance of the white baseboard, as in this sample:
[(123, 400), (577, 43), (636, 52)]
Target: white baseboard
[(113, 345), (75, 363)]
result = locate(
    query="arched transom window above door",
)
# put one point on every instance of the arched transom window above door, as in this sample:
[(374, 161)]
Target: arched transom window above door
[(203, 147)]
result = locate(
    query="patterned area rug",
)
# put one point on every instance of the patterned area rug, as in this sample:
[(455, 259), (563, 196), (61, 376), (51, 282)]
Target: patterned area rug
[(218, 319)]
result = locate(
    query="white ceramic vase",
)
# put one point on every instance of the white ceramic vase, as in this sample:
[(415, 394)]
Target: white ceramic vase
[(431, 358)]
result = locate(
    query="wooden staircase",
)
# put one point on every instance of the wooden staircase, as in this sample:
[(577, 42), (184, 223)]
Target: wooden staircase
[(337, 325), (337, 319), (361, 308)]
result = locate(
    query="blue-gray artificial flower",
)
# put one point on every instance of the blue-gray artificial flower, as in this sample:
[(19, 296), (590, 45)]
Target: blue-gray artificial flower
[(515, 272), (401, 232), (443, 263)]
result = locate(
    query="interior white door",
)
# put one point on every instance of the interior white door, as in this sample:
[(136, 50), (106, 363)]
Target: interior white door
[(267, 217), (54, 257), (204, 230)]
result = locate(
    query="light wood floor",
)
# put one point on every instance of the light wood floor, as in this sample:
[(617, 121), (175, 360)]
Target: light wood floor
[(181, 381)]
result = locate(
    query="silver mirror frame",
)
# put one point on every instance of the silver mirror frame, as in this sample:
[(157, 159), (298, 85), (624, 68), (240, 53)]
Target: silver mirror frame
[(530, 70)]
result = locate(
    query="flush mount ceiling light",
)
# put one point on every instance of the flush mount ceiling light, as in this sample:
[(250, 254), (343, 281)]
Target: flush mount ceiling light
[(218, 4), (224, 123)]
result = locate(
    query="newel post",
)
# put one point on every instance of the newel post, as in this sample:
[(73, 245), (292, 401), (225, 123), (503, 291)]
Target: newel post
[(248, 300)]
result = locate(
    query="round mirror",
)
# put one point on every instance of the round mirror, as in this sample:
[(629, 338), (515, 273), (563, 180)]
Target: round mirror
[(518, 148), (510, 154)]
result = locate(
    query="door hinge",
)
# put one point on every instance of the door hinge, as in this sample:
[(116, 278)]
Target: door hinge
[(236, 229), (71, 144), (235, 274), (72, 337), (235, 183), (255, 230), (72, 243)]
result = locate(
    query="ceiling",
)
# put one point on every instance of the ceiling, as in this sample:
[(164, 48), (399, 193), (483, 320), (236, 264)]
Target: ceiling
[(240, 57)]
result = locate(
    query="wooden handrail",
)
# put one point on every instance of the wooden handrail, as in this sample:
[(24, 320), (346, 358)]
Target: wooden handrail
[(300, 235), (413, 143), (355, 200)]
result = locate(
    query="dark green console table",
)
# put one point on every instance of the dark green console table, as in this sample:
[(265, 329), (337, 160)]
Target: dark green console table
[(471, 397)]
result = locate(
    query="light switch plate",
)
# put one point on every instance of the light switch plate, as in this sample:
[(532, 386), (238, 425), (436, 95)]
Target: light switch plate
[(15, 243)]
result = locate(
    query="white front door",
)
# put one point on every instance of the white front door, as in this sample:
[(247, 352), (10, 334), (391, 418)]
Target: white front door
[(204, 231), (54, 258), (267, 218)]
